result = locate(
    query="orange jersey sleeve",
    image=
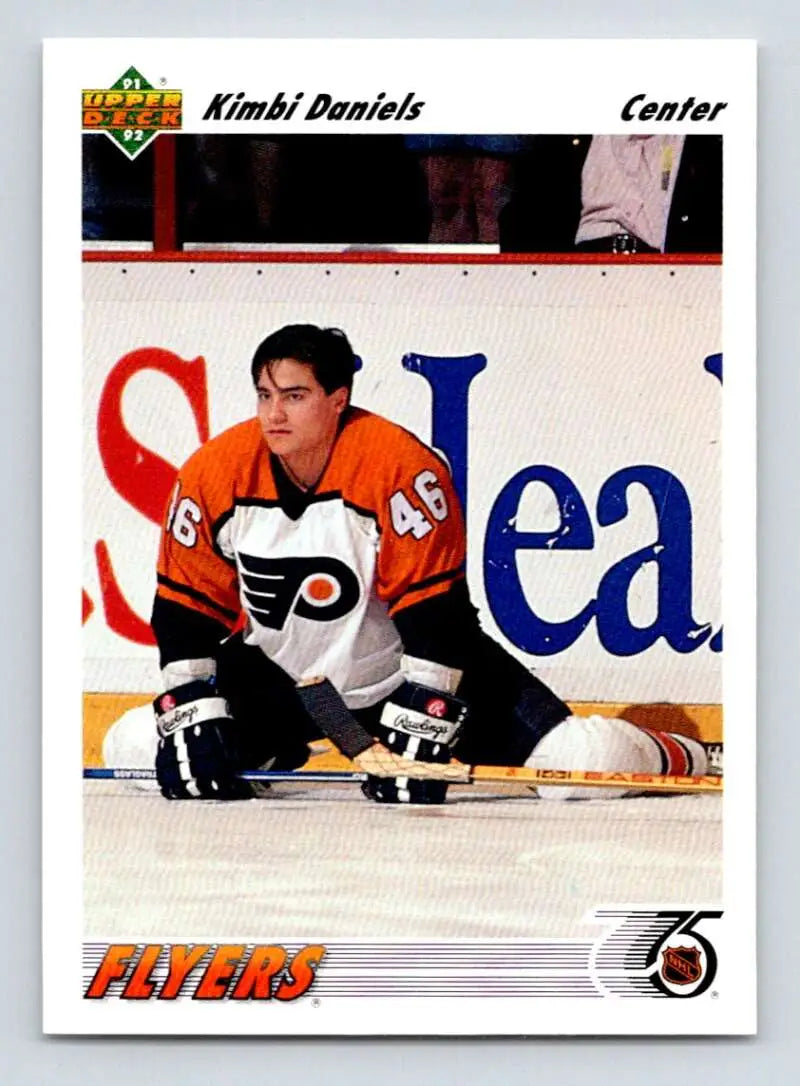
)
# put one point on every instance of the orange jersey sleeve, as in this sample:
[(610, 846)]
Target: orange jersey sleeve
[(422, 539), (192, 570)]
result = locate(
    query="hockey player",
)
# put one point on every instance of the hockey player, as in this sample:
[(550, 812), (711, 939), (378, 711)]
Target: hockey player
[(321, 539)]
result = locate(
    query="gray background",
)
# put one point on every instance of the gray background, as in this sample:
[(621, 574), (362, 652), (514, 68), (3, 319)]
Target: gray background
[(30, 1058)]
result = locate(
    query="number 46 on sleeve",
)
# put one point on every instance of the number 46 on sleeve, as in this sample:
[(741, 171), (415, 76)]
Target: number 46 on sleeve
[(408, 517)]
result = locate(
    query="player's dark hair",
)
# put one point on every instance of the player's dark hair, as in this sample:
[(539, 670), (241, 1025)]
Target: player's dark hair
[(326, 350)]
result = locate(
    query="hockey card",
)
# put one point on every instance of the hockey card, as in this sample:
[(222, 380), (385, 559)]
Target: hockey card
[(407, 476)]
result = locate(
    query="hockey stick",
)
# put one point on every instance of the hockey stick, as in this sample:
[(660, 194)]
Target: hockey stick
[(326, 707), (458, 773)]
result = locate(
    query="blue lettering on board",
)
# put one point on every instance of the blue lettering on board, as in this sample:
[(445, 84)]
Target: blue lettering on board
[(450, 378), (504, 591)]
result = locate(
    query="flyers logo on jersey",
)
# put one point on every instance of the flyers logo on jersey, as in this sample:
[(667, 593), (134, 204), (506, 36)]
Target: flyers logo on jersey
[(321, 589)]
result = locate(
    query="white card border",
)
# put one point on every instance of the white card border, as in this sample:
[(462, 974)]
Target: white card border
[(74, 64)]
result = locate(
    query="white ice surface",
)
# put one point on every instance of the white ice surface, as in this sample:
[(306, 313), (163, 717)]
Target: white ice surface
[(322, 861)]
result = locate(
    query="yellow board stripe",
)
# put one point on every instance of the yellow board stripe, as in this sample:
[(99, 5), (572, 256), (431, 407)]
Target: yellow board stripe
[(702, 722)]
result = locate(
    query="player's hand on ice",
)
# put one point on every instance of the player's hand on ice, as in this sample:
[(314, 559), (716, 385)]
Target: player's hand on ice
[(196, 755), (417, 726)]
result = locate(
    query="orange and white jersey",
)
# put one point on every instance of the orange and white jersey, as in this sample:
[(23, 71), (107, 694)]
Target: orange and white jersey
[(317, 575)]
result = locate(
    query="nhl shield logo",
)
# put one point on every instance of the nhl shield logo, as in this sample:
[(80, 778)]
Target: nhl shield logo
[(681, 965)]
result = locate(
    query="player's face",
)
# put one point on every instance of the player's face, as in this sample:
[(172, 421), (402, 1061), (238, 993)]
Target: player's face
[(297, 416)]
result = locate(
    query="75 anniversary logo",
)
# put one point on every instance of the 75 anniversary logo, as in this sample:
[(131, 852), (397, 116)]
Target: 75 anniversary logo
[(663, 952)]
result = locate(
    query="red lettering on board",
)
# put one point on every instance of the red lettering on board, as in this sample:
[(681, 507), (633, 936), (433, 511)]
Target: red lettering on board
[(140, 476)]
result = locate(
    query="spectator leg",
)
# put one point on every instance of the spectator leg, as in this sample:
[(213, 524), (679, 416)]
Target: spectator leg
[(448, 178), (491, 191)]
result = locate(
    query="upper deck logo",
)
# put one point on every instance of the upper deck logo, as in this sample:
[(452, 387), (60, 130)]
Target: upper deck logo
[(131, 111)]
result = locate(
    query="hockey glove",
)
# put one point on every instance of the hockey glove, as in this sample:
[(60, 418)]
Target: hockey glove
[(419, 724), (196, 755)]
